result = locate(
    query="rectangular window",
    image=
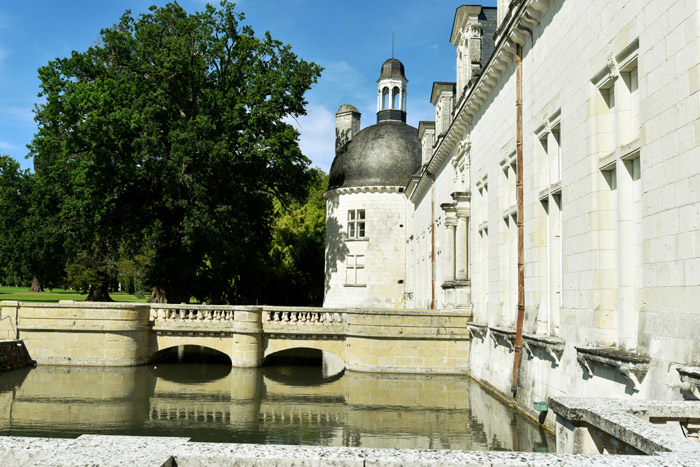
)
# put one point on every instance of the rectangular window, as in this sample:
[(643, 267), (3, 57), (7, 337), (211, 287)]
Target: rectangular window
[(356, 223), (355, 270)]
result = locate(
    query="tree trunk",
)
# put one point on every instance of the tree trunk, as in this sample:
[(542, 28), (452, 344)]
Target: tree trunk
[(98, 293), (36, 286), (158, 295)]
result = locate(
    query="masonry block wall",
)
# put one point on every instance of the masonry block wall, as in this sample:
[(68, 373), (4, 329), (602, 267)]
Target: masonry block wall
[(366, 268), (611, 166)]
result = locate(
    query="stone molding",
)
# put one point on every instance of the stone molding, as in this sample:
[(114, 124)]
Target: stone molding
[(512, 33), (631, 365), (362, 189), (553, 346)]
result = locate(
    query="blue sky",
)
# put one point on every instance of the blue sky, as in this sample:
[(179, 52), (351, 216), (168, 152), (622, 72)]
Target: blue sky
[(350, 39)]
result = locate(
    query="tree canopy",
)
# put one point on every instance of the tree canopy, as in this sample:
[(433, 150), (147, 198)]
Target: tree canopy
[(168, 138)]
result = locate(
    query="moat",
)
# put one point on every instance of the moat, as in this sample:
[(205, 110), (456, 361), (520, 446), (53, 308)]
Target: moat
[(279, 404)]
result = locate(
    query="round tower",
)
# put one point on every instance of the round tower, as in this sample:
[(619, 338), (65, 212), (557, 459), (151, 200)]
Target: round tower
[(366, 221)]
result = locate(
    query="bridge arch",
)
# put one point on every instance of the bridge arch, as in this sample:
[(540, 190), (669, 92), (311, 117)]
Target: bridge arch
[(331, 365), (274, 343), (189, 353), (159, 343)]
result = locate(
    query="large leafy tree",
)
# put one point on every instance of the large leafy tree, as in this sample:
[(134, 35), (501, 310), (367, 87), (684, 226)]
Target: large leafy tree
[(170, 132), (295, 271), (31, 242)]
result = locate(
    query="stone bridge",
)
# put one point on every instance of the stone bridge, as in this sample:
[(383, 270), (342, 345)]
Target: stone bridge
[(119, 334)]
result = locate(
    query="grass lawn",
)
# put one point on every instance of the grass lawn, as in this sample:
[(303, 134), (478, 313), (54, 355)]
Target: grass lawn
[(54, 295)]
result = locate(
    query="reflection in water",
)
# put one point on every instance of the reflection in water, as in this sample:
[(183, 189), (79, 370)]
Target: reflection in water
[(274, 404)]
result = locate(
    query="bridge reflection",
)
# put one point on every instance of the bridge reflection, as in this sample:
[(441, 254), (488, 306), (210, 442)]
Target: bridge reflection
[(270, 405)]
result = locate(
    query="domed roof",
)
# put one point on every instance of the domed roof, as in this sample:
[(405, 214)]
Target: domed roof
[(392, 68), (385, 154), (347, 108)]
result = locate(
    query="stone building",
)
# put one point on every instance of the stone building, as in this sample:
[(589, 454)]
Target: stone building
[(609, 143), (366, 214)]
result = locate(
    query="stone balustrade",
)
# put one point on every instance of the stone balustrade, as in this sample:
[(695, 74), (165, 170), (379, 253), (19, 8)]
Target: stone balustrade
[(301, 316), (187, 312)]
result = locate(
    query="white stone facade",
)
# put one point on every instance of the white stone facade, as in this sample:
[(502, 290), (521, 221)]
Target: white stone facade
[(611, 185), (377, 279)]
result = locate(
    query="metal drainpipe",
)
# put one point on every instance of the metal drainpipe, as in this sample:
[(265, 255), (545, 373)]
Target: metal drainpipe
[(432, 241), (519, 196)]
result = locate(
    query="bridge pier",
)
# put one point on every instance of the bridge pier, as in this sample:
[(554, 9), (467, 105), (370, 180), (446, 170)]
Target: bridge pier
[(247, 350)]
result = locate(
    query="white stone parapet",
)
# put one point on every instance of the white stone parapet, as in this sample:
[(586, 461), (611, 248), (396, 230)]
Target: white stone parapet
[(106, 451)]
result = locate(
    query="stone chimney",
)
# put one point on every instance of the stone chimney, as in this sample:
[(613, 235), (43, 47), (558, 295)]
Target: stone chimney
[(442, 98), (347, 124), (426, 134)]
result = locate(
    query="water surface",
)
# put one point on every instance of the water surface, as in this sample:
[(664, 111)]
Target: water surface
[(288, 404)]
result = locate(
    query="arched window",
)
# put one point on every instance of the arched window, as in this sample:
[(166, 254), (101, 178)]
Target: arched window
[(395, 98), (385, 98)]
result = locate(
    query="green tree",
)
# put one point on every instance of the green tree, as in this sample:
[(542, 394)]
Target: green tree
[(172, 129), (297, 247), (31, 244), (13, 209)]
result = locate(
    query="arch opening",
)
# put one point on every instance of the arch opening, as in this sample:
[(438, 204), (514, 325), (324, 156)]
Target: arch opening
[(188, 364), (304, 359), (190, 354), (385, 98), (395, 98)]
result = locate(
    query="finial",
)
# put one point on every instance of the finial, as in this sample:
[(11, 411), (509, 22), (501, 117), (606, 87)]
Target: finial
[(392, 42)]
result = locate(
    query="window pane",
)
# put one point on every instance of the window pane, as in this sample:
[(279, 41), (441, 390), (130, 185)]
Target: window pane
[(351, 230), (360, 276), (361, 229), (360, 213), (360, 261), (351, 215)]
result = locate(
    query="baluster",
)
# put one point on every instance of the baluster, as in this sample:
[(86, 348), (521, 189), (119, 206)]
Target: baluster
[(329, 318), (295, 316), (268, 316), (314, 318)]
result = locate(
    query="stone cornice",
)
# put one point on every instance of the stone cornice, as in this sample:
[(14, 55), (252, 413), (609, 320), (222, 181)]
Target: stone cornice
[(523, 20), (362, 189)]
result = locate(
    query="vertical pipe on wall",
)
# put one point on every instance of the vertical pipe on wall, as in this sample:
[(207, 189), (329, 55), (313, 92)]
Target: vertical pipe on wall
[(432, 241), (520, 214)]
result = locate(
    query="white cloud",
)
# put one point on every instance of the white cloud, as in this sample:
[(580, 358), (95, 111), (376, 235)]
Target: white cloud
[(317, 139), (5, 146)]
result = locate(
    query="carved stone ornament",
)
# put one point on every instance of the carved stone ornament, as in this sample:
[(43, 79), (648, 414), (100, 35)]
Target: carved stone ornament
[(474, 29), (546, 127), (464, 147), (612, 66)]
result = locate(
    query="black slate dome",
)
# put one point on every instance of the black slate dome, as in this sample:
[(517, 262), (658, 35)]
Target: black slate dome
[(392, 68), (385, 154)]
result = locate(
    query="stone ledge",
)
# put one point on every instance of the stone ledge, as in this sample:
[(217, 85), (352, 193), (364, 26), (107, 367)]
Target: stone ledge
[(690, 379), (627, 420), (506, 335), (631, 365), (108, 451), (478, 329), (554, 346)]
